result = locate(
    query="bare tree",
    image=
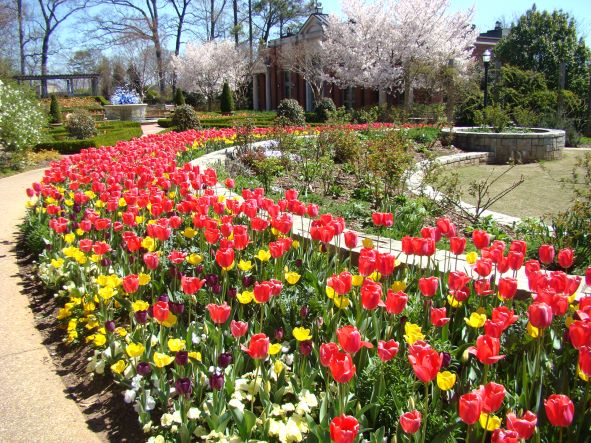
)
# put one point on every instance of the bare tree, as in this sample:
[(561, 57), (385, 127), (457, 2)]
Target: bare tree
[(181, 9), (135, 21), (53, 14), (308, 59)]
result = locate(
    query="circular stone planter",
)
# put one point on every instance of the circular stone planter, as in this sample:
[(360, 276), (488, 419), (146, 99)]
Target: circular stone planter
[(136, 113), (521, 147)]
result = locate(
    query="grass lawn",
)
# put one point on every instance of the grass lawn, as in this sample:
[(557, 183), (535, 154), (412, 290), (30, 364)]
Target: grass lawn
[(541, 193)]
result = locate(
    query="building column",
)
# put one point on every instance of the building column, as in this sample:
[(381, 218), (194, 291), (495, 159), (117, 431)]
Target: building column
[(309, 104), (255, 93), (382, 98), (268, 89)]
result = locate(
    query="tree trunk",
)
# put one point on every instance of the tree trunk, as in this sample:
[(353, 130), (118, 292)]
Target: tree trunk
[(158, 47), (209, 104), (21, 36), (250, 28), (177, 46), (408, 98), (44, 59), (235, 7), (212, 19)]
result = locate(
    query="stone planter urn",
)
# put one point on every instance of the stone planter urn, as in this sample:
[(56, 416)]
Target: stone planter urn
[(129, 112)]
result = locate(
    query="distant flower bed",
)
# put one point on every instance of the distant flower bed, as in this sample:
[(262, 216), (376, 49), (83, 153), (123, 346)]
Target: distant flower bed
[(220, 325), (125, 96)]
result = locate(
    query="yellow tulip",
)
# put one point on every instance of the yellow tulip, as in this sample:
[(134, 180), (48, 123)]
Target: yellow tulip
[(245, 297), (161, 360), (301, 334), (446, 380), (194, 259), (245, 266), (292, 277), (144, 279), (398, 286), (476, 320), (134, 349), (532, 330), (195, 355), (489, 422), (140, 305), (263, 255), (176, 344), (189, 232), (341, 302), (471, 257), (170, 320), (118, 367), (357, 280), (274, 348), (367, 243), (413, 333)]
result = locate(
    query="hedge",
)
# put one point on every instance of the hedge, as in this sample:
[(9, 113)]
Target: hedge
[(66, 147)]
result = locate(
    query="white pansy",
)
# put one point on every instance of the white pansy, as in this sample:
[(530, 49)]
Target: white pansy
[(166, 420), (129, 396)]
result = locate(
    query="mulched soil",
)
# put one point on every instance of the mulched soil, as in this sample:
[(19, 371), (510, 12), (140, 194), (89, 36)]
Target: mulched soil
[(98, 397)]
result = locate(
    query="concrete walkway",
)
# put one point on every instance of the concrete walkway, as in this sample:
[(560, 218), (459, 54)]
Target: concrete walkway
[(150, 128), (34, 407)]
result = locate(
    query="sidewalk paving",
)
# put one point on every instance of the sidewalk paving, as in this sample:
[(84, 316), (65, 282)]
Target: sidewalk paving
[(34, 406)]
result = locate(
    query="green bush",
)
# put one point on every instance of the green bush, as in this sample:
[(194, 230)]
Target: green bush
[(81, 125), (152, 97), (343, 145), (102, 100), (34, 231), (493, 116), (323, 109), (55, 113), (21, 123), (290, 112), (185, 118), (165, 122), (226, 100), (179, 98), (67, 147), (525, 118)]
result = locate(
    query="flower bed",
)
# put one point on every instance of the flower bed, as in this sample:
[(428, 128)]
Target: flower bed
[(219, 325)]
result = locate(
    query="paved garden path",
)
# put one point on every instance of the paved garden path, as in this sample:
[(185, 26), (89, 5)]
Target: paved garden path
[(150, 128), (33, 406)]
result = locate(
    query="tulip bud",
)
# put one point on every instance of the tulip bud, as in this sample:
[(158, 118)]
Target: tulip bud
[(279, 334), (306, 347), (110, 325), (216, 381), (304, 311), (141, 317), (181, 358), (143, 368), (177, 308), (225, 359)]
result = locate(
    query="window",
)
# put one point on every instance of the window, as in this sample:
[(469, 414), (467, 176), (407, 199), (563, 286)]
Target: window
[(349, 97), (287, 84)]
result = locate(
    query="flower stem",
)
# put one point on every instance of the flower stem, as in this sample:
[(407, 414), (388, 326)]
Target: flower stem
[(426, 413)]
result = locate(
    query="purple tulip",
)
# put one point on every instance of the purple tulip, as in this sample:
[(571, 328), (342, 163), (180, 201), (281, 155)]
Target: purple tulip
[(181, 358), (184, 386), (216, 381), (225, 359), (143, 368), (176, 308), (141, 317), (306, 347), (110, 325)]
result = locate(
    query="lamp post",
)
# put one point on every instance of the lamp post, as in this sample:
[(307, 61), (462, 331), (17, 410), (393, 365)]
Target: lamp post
[(486, 60)]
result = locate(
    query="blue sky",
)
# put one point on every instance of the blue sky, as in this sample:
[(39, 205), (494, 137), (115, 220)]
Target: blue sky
[(487, 12)]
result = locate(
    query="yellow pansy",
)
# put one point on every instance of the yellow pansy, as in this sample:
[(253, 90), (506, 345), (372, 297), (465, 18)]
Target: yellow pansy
[(357, 280), (69, 251), (144, 279), (161, 360), (446, 380), (341, 302), (80, 258), (398, 285), (275, 348), (176, 344), (89, 307), (476, 320), (170, 320), (95, 258), (63, 313), (194, 259), (245, 297), (532, 330), (413, 333), (69, 238), (245, 266), (367, 243), (149, 243), (92, 322), (292, 277), (57, 262), (263, 255), (121, 331), (99, 339), (118, 367), (134, 349), (471, 257), (140, 305), (195, 355), (489, 422), (301, 334), (79, 232)]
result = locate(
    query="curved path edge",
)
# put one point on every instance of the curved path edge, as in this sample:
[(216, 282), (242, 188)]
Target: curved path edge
[(34, 406)]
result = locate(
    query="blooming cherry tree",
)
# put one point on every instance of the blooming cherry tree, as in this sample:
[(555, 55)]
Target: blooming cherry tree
[(205, 67)]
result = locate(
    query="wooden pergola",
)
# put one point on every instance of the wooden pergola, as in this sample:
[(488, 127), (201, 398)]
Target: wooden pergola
[(69, 78)]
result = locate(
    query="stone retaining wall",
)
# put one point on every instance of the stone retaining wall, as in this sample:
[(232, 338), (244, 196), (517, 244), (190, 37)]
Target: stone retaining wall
[(542, 144)]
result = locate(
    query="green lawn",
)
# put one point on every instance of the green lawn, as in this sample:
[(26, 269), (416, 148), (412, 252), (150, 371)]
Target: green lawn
[(541, 193)]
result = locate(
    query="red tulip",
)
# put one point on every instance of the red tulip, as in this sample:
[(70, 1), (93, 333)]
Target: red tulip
[(342, 367), (344, 429), (350, 339), (457, 280), (438, 317), (457, 245), (191, 285), (480, 238), (382, 219), (385, 264), (224, 257), (262, 291), (387, 350), (492, 395), (565, 258), (326, 351), (507, 288), (229, 183), (487, 349), (546, 253), (585, 360), (470, 408), (560, 410), (524, 426), (160, 311), (428, 286), (367, 261), (371, 294), (588, 276), (410, 422), (291, 194), (350, 239), (219, 313), (238, 328), (342, 283), (483, 267), (501, 435), (396, 302), (312, 210), (258, 347), (425, 361), (540, 315), (579, 333), (131, 283), (518, 246), (446, 227), (515, 260)]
